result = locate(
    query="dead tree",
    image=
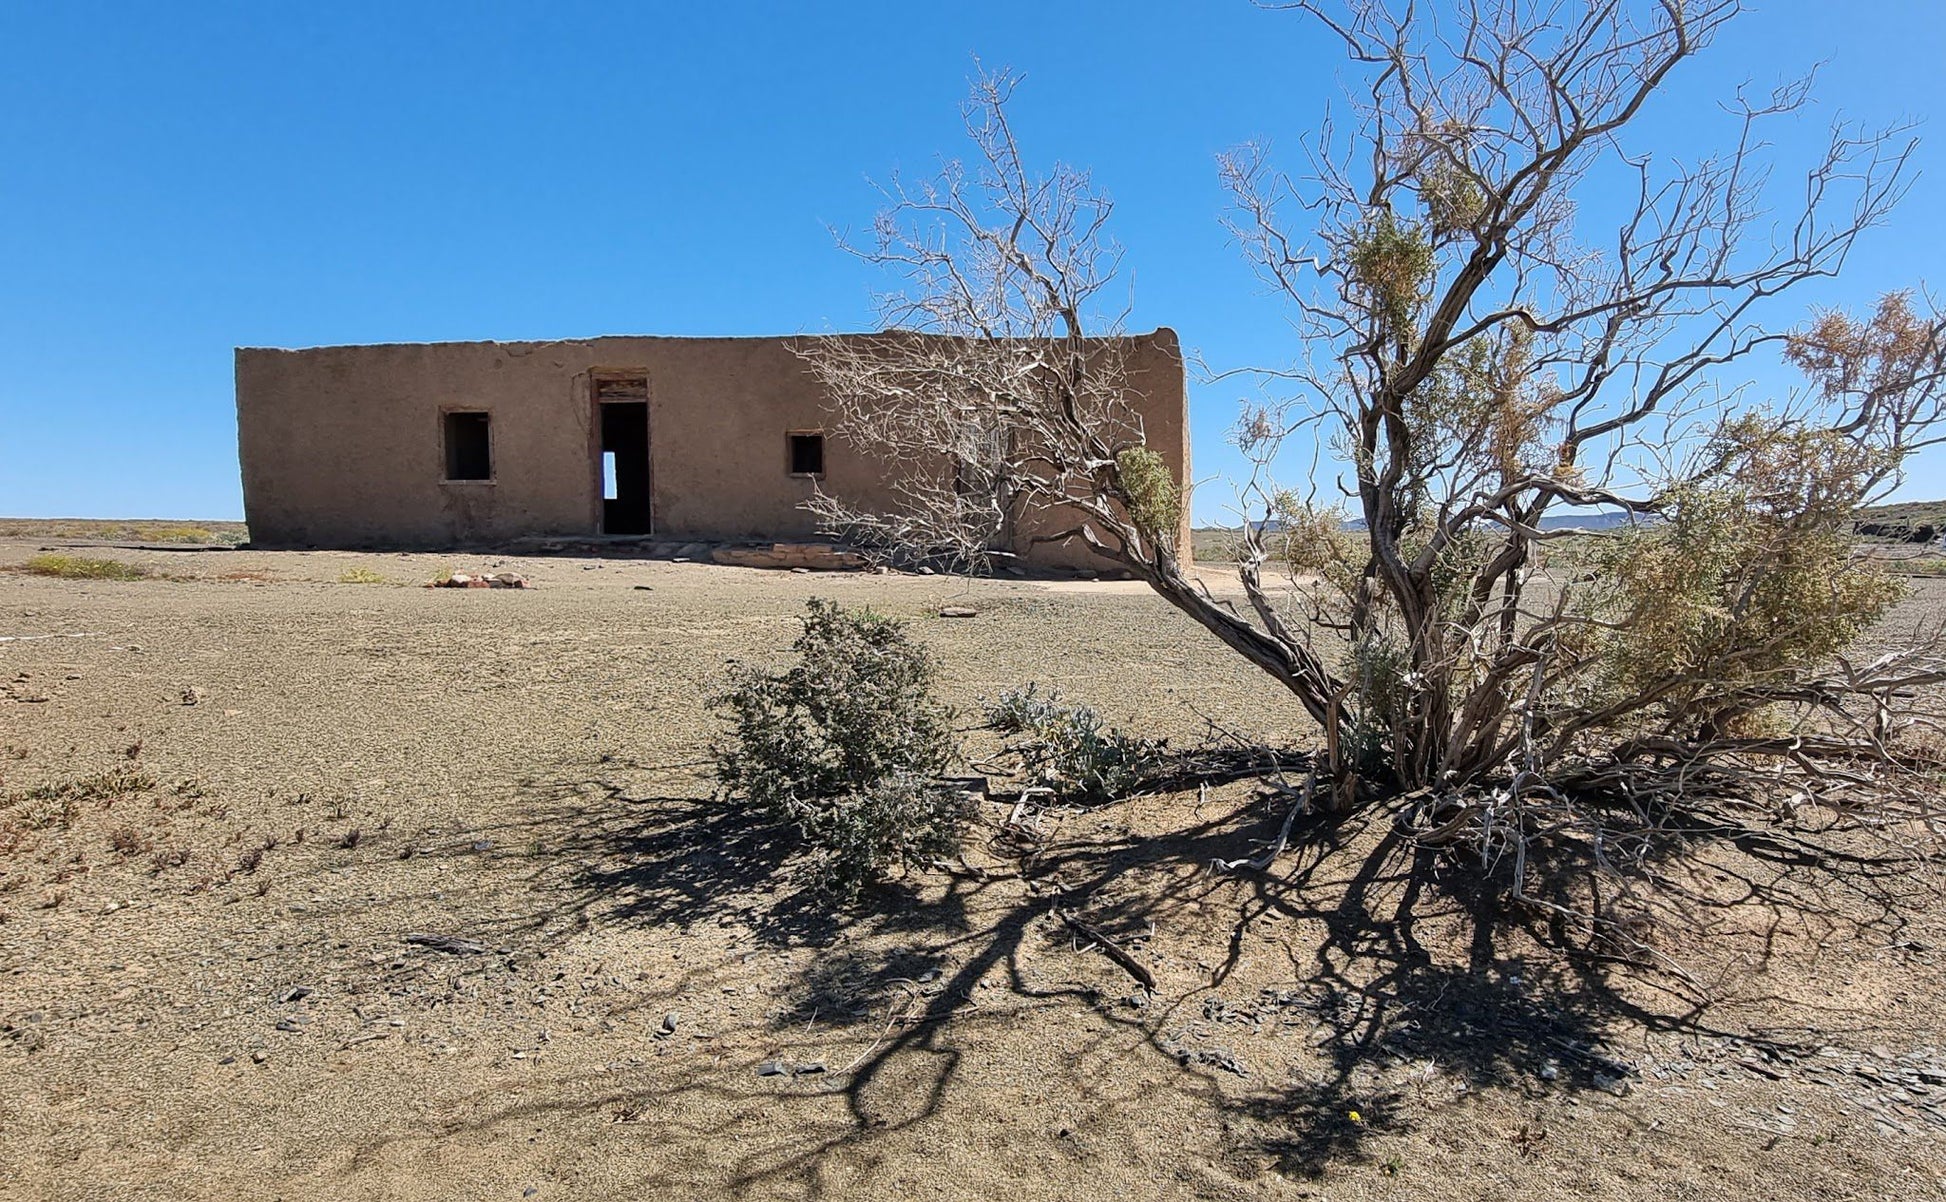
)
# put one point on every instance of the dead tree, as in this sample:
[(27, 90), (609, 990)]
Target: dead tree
[(1475, 367)]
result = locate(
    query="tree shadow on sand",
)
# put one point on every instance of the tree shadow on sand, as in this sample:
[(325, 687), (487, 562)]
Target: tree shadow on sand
[(1414, 985), (1415, 999)]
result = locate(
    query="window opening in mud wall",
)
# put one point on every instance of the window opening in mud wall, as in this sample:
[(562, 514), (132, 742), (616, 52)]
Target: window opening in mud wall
[(807, 453), (469, 447)]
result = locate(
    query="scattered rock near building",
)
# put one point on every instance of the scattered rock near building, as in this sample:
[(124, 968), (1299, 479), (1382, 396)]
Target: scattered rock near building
[(481, 580)]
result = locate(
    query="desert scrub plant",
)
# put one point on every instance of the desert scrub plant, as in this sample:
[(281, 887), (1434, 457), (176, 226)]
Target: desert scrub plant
[(81, 567), (845, 749), (360, 576), (1069, 749)]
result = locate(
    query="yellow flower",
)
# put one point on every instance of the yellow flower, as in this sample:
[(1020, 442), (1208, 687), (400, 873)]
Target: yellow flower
[(1357, 1117)]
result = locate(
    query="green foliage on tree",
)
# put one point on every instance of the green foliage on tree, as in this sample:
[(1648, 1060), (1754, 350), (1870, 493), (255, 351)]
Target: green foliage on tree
[(1154, 502)]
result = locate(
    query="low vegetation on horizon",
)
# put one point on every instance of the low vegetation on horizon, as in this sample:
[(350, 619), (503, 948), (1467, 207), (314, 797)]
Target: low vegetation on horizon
[(127, 530)]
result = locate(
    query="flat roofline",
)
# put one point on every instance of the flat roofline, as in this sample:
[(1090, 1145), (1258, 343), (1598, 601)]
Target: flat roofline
[(538, 343)]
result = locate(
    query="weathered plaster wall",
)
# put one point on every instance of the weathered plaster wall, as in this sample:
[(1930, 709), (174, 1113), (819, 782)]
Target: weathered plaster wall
[(343, 446), (1157, 392)]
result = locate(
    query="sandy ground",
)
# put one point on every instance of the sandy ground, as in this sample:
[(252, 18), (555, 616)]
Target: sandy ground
[(207, 989)]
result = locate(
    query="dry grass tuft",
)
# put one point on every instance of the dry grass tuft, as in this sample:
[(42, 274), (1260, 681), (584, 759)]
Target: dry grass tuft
[(55, 807), (102, 786), (82, 567)]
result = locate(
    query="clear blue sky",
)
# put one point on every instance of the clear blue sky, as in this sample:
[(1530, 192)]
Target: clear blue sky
[(178, 180)]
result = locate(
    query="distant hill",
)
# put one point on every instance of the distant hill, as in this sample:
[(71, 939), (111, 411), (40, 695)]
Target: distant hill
[(1561, 521), (1911, 513), (1216, 543), (1590, 521)]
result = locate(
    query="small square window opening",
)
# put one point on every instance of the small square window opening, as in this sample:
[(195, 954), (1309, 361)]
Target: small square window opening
[(469, 447), (807, 454)]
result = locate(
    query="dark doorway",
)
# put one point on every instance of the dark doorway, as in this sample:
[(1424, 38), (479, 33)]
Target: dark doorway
[(624, 456)]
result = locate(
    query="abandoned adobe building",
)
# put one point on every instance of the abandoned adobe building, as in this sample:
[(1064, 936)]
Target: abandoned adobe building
[(454, 445)]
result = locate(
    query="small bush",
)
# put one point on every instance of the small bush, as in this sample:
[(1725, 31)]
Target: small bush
[(80, 567), (846, 749), (1067, 748), (360, 576)]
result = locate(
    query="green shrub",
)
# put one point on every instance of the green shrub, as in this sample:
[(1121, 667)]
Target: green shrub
[(1751, 579), (846, 749), (1392, 263), (1068, 748)]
